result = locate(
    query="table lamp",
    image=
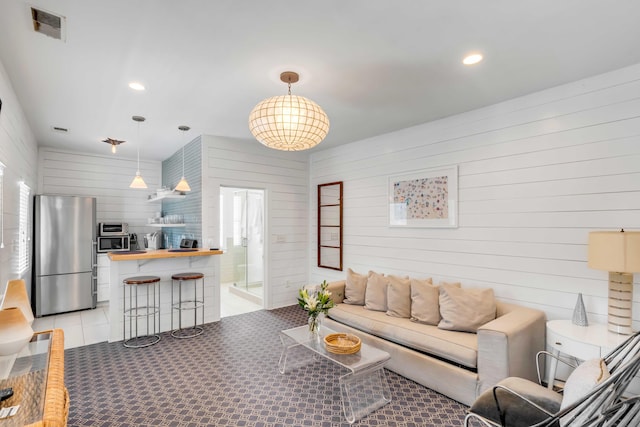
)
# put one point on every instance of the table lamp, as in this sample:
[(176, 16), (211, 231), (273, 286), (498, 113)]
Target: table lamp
[(617, 252)]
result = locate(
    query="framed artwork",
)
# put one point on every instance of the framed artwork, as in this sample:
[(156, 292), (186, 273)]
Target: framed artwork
[(427, 198)]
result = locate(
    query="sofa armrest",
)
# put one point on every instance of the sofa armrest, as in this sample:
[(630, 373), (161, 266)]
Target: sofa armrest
[(337, 291), (507, 346)]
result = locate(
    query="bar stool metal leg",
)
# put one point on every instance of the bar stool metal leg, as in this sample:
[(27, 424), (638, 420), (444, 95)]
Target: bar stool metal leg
[(135, 312), (187, 304)]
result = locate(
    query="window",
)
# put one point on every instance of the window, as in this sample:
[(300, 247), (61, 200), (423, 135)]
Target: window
[(23, 228)]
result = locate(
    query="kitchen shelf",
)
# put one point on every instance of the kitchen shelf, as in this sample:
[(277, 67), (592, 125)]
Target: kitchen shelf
[(166, 196), (166, 225)]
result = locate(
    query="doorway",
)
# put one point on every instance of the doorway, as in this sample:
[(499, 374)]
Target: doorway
[(242, 239)]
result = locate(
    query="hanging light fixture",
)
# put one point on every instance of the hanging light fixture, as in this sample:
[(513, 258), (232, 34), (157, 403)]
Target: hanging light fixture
[(183, 185), (289, 122), (114, 143), (138, 182)]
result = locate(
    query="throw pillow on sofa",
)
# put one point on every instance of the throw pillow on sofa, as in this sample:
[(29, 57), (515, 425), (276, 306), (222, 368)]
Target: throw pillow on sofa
[(465, 309), (375, 297), (425, 307), (356, 285), (399, 296)]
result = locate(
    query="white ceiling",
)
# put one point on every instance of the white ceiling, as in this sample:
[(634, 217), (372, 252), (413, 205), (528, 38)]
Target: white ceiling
[(375, 66)]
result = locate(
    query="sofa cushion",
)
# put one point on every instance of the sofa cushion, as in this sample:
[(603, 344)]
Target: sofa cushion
[(456, 347), (375, 297), (424, 302), (465, 309), (399, 296), (355, 288)]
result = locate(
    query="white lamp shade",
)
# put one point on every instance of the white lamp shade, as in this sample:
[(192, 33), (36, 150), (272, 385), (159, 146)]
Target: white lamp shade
[(183, 185), (289, 123), (138, 182), (615, 251)]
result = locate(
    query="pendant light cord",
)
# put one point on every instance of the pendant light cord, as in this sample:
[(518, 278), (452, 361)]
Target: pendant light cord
[(138, 145)]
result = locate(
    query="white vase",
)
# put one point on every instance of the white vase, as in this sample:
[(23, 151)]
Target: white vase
[(15, 331)]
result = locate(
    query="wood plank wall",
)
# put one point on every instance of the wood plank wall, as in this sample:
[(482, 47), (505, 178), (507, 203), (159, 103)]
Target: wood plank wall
[(243, 163), (19, 154), (536, 174)]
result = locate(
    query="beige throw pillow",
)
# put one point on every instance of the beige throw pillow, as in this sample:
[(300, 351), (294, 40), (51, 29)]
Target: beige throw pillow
[(424, 302), (465, 309), (355, 288), (375, 298), (399, 296), (587, 376)]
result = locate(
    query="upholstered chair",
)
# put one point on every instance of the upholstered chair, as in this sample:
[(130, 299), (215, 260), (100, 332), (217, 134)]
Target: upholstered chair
[(592, 391)]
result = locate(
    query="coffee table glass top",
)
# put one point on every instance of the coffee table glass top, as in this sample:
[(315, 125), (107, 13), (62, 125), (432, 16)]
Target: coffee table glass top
[(365, 358)]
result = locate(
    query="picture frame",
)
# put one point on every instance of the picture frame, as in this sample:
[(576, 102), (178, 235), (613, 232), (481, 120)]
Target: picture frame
[(427, 198)]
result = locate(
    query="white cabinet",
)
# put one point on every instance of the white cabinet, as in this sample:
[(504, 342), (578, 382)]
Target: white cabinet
[(103, 278)]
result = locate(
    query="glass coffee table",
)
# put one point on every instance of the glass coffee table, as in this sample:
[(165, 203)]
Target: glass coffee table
[(363, 389)]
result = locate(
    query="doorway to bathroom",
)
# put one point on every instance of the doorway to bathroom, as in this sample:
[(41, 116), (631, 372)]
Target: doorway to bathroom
[(242, 239)]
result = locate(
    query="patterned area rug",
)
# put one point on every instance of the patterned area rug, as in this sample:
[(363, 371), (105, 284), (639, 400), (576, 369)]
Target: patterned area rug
[(229, 376)]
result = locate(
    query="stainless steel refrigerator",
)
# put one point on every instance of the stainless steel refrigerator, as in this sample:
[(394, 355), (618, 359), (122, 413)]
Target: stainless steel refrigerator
[(64, 254)]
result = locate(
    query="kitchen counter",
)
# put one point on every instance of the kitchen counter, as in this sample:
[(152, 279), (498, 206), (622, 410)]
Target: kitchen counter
[(161, 253), (162, 263)]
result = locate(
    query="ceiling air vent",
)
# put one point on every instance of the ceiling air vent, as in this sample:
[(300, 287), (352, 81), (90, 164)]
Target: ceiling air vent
[(48, 23), (59, 129)]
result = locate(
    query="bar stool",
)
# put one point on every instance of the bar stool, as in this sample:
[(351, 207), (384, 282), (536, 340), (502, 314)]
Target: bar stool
[(134, 311), (187, 304)]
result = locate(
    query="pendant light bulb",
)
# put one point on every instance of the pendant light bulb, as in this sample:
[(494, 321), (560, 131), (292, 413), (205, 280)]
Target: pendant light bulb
[(183, 185), (138, 182), (113, 148)]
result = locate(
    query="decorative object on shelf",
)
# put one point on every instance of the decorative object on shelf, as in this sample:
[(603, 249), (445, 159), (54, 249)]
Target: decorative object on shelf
[(15, 331), (341, 343), (114, 143), (315, 302), (289, 122), (579, 313), (138, 182), (617, 252), (183, 185), (424, 199)]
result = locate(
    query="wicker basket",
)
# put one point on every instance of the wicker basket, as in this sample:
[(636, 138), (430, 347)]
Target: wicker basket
[(341, 343)]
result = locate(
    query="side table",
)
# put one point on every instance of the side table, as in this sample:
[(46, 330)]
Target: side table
[(581, 342)]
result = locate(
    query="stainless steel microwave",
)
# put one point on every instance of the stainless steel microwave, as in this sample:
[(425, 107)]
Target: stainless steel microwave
[(113, 229), (113, 243)]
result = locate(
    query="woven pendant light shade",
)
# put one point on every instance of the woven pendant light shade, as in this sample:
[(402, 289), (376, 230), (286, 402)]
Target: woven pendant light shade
[(288, 122)]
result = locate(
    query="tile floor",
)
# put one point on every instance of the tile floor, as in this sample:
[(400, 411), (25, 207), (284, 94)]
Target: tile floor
[(92, 326), (80, 327)]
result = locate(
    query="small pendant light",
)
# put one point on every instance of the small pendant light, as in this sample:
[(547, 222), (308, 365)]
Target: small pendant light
[(138, 182), (114, 143), (183, 185)]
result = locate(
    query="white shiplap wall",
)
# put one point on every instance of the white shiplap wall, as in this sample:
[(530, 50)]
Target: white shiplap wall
[(18, 152), (106, 178), (232, 162), (536, 174)]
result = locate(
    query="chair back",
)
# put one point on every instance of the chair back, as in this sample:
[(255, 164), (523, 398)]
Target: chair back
[(623, 364)]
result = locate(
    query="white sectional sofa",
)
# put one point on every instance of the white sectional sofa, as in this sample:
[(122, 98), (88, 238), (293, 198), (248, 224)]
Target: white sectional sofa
[(460, 365)]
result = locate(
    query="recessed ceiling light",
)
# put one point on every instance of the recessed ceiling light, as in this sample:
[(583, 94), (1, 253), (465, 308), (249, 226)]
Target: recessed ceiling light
[(472, 59), (136, 86)]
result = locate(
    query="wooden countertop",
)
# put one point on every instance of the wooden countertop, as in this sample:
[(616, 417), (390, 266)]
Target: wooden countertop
[(160, 254)]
